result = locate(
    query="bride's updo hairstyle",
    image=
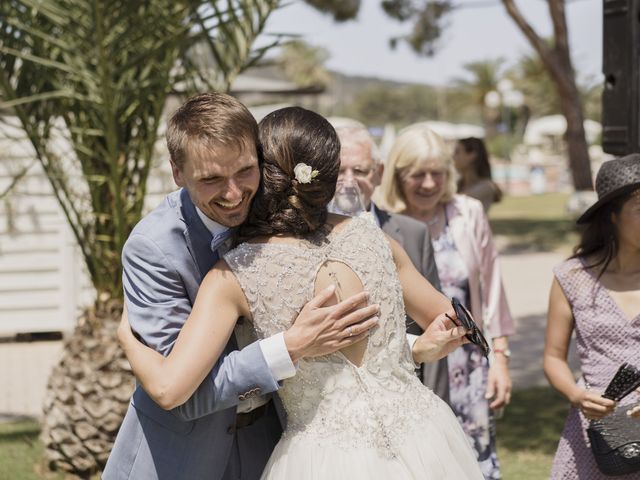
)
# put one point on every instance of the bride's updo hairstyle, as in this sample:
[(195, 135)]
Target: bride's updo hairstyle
[(290, 136)]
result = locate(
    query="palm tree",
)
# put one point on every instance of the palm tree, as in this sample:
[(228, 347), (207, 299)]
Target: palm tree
[(428, 19), (533, 80), (304, 64), (98, 74), (484, 77)]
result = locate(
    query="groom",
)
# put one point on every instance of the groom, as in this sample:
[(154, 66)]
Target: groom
[(229, 427)]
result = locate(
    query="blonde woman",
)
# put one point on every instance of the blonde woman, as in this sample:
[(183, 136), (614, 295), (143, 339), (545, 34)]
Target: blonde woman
[(419, 181)]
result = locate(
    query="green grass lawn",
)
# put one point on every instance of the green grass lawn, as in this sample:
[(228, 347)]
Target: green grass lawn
[(527, 438), (528, 433), (21, 452), (534, 223)]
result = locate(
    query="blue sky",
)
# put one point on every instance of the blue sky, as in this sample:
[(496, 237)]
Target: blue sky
[(361, 46)]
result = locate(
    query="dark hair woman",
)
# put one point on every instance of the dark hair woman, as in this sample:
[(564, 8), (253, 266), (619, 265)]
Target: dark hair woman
[(596, 292), (283, 203), (472, 163), (360, 413)]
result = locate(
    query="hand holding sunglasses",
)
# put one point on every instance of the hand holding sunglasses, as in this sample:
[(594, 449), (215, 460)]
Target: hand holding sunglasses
[(464, 319)]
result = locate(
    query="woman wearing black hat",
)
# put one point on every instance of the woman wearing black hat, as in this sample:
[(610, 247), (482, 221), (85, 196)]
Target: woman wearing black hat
[(596, 292)]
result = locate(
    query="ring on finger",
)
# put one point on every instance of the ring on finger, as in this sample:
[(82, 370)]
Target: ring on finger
[(350, 332)]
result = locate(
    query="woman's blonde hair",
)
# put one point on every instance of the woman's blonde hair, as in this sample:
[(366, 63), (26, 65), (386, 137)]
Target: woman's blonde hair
[(415, 144)]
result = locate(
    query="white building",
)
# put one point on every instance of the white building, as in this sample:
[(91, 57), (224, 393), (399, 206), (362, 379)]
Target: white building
[(43, 284)]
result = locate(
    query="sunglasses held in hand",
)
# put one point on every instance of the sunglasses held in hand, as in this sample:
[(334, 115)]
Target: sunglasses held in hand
[(625, 381), (464, 319)]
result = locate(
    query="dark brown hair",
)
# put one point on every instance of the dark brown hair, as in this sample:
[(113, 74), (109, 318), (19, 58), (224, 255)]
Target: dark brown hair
[(290, 136), (599, 237), (209, 120), (481, 163)]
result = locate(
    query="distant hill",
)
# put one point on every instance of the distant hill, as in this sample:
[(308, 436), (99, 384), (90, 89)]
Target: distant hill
[(370, 99)]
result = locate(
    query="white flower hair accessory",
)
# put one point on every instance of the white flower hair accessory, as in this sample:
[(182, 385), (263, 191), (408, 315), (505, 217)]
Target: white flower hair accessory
[(304, 173)]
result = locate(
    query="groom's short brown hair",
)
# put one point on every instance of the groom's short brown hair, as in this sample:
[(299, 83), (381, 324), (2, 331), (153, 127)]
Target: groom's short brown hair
[(209, 120)]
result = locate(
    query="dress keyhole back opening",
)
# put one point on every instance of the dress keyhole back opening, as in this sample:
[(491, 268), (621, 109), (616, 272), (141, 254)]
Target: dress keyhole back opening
[(347, 283)]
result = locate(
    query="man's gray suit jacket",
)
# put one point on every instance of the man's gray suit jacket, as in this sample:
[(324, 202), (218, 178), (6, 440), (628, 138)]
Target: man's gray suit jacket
[(164, 261), (415, 239)]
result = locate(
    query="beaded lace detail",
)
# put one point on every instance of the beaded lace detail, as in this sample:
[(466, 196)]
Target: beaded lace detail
[(330, 399)]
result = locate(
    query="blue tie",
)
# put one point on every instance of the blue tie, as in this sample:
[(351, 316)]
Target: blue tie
[(217, 241)]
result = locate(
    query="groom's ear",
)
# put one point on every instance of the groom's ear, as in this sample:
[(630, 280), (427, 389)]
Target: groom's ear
[(177, 173)]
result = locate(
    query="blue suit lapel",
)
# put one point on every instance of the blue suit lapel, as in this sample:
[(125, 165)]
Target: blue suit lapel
[(197, 236), (198, 240)]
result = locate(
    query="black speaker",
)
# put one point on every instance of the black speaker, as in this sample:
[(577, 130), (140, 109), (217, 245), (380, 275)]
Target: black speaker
[(620, 65)]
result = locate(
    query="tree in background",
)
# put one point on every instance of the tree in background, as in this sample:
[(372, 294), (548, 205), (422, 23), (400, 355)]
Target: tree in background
[(483, 77), (428, 20), (532, 79), (381, 103), (556, 57), (99, 78), (340, 10), (303, 64), (591, 92)]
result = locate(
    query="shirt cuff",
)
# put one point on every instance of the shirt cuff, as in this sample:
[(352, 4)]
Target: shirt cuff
[(411, 340), (277, 357)]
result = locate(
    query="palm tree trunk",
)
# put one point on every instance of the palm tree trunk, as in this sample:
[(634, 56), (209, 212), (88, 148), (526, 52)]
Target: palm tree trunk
[(87, 395)]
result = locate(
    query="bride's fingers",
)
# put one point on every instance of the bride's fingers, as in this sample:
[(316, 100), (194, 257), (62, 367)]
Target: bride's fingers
[(351, 340), (361, 328), (348, 304), (322, 297), (356, 317)]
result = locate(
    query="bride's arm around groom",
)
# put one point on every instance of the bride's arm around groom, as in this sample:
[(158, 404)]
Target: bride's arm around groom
[(173, 379)]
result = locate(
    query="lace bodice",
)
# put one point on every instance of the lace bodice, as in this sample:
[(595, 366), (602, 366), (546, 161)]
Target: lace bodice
[(329, 398)]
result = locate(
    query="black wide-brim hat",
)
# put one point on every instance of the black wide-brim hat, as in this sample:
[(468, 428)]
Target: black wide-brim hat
[(615, 178)]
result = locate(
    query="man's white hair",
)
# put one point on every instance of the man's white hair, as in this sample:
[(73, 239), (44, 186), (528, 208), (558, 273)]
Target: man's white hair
[(352, 131)]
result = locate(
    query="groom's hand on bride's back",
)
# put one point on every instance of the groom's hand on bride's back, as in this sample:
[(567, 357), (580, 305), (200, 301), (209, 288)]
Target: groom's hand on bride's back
[(320, 329)]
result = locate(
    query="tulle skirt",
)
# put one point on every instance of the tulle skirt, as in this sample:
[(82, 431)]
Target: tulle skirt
[(436, 449)]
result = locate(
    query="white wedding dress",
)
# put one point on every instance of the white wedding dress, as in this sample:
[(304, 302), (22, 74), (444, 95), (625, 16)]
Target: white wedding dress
[(375, 421)]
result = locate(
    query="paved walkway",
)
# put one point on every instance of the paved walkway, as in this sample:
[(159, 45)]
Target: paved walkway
[(527, 280), (25, 366)]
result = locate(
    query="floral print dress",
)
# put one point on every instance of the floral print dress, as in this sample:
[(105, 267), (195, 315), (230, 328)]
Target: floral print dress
[(468, 368)]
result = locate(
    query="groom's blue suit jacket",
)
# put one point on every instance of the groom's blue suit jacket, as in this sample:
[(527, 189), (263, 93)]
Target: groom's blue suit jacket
[(164, 261)]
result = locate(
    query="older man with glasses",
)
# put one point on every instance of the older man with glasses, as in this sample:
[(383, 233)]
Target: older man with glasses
[(361, 170)]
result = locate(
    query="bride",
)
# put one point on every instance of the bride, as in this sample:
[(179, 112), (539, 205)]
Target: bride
[(360, 413)]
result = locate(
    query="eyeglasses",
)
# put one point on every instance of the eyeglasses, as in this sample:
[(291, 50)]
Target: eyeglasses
[(466, 320)]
